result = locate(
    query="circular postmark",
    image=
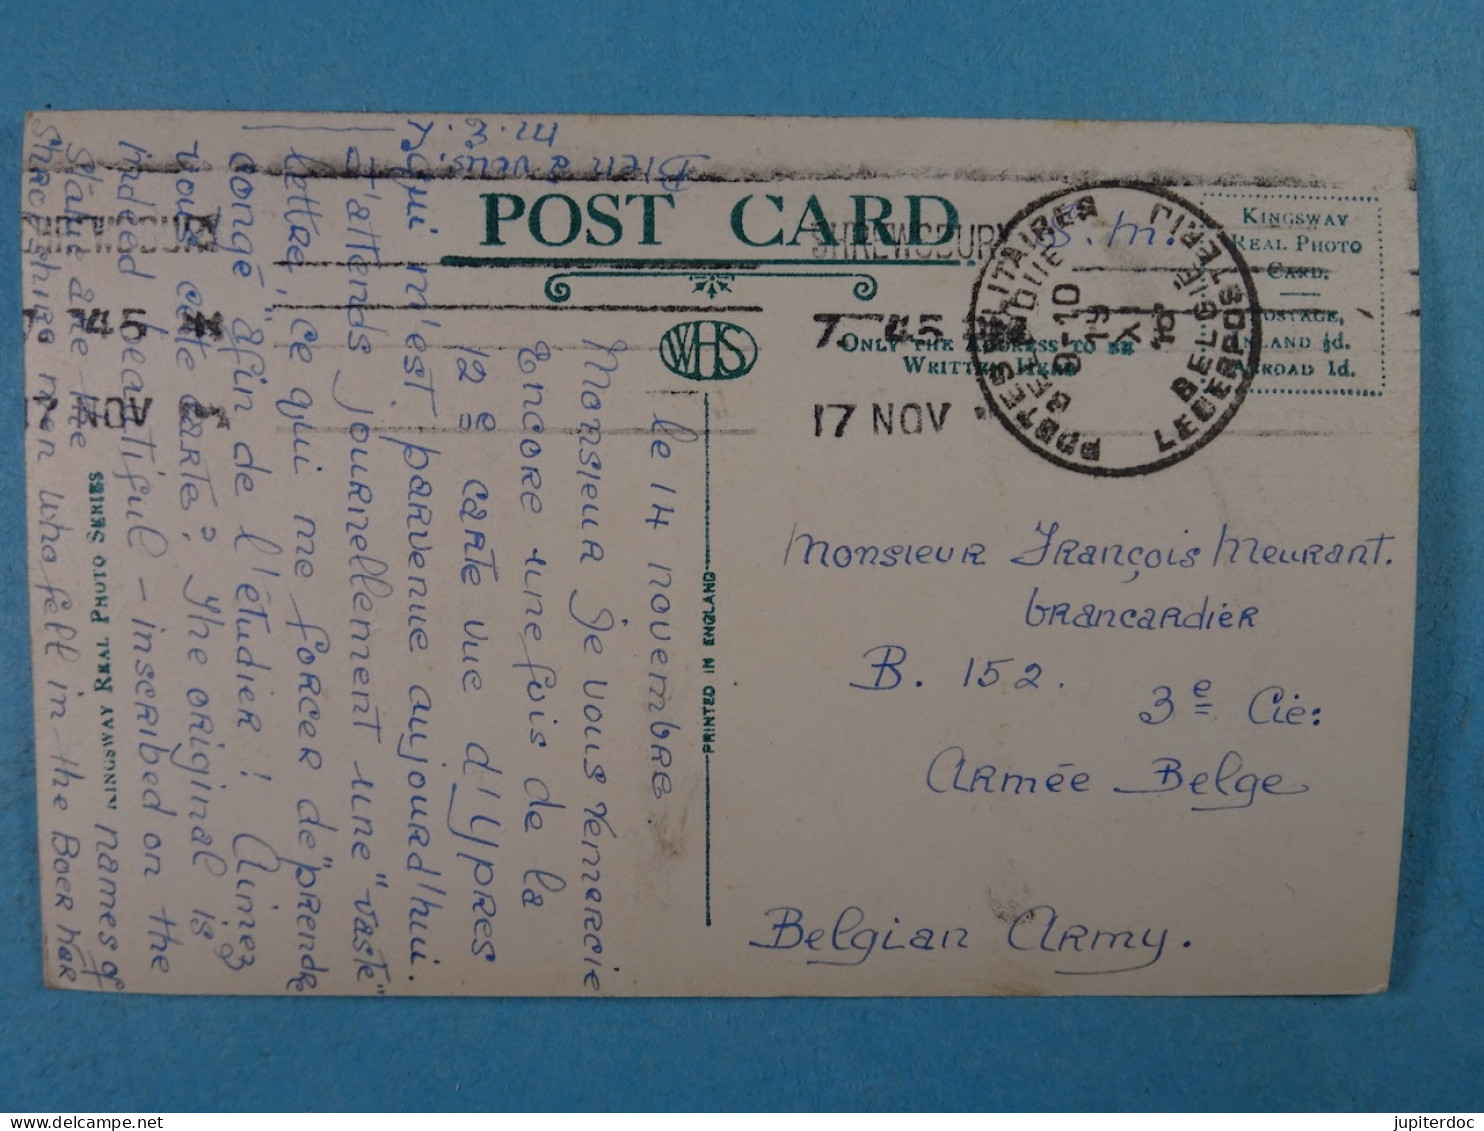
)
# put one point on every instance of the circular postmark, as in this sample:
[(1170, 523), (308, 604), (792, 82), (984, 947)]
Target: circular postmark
[(1115, 328)]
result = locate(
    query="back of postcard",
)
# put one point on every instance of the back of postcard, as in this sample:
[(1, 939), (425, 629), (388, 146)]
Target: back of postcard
[(577, 555)]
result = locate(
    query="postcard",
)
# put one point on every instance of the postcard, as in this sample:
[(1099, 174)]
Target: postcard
[(557, 555)]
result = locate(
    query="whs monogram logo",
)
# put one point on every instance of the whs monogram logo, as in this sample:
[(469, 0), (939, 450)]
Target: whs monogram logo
[(708, 350)]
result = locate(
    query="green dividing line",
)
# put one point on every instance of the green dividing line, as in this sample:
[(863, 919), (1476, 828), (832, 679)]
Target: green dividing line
[(706, 454), (706, 449)]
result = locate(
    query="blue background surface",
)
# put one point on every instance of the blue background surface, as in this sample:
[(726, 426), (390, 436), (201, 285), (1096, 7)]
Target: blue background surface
[(1420, 1046)]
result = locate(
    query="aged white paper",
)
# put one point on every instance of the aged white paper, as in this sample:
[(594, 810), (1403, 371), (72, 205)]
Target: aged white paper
[(557, 555)]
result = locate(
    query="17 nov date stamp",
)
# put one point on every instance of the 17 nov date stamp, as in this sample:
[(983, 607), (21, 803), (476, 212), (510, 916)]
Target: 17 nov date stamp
[(1115, 328)]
